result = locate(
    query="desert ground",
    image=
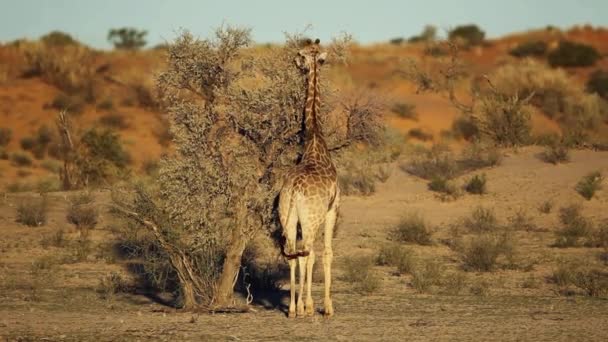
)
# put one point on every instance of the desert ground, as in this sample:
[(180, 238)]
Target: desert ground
[(520, 256)]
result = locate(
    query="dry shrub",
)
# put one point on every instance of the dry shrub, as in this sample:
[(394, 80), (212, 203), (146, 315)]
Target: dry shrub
[(405, 110), (32, 212), (520, 220), (479, 155), (75, 104), (6, 135), (454, 282), (418, 133), (481, 220), (438, 162), (575, 227), (546, 207), (482, 252), (114, 120), (56, 239), (396, 256), (110, 285), (466, 128), (554, 92), (476, 185), (359, 272), (535, 48), (556, 153), (359, 170), (82, 212), (21, 159), (591, 279), (591, 183), (412, 228), (426, 275), (598, 83), (43, 273), (446, 189)]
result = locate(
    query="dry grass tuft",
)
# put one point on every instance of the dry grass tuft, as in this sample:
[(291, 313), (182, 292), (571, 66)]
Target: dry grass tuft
[(397, 256), (426, 275), (476, 185), (359, 272), (575, 227), (591, 183), (412, 229), (33, 212)]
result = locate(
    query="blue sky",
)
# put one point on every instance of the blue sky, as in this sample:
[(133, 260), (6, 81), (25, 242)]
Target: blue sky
[(367, 21)]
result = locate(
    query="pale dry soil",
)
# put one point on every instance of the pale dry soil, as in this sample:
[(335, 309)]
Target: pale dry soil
[(64, 306)]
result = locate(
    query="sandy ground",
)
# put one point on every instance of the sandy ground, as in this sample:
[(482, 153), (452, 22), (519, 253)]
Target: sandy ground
[(67, 308)]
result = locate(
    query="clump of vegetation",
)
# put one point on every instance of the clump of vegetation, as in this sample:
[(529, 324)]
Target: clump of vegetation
[(556, 153), (412, 228), (33, 212), (106, 104), (75, 104), (357, 181), (591, 183), (426, 275), (359, 272), (454, 282), (571, 54), (27, 143), (438, 162), (534, 48), (598, 83), (520, 220), (546, 207), (58, 38), (110, 285), (56, 239), (482, 252), (481, 220), (127, 38), (446, 189), (575, 227), (397, 40), (114, 120), (101, 157), (464, 127), (397, 256), (428, 34), (21, 159), (476, 185), (405, 110), (6, 134), (469, 34), (478, 155), (592, 280), (418, 133), (82, 212)]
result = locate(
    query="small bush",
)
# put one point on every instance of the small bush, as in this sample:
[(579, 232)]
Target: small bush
[(546, 207), (465, 128), (397, 256), (82, 212), (476, 156), (359, 181), (418, 133), (556, 153), (536, 48), (58, 38), (505, 121), (480, 288), (571, 54), (469, 34), (27, 143), (6, 134), (21, 159), (74, 104), (575, 227), (476, 185), (102, 157), (590, 279), (591, 183), (51, 165), (49, 184), (405, 110), (110, 285), (481, 220), (127, 38), (426, 275), (521, 221), (358, 271), (56, 239), (3, 154), (482, 252), (412, 229), (438, 162), (397, 40), (33, 212), (447, 189), (106, 104), (454, 282), (598, 83), (78, 251), (114, 120)]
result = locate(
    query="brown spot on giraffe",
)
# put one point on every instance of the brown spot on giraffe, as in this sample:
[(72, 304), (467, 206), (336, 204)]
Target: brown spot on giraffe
[(310, 195)]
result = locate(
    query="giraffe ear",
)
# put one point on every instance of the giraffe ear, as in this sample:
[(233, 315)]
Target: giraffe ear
[(321, 57)]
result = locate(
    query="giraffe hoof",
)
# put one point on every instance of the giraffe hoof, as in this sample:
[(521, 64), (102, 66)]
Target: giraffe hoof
[(291, 314)]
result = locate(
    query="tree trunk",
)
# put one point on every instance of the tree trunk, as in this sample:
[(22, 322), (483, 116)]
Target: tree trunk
[(230, 269)]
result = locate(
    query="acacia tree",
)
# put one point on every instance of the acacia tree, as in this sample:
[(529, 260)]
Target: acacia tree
[(127, 38), (236, 118)]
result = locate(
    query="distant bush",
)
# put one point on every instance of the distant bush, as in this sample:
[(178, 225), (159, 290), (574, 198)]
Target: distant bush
[(358, 271), (481, 220), (32, 213), (438, 162), (429, 34), (397, 40), (426, 275), (3, 154), (571, 54), (575, 227), (105, 104), (127, 38), (592, 280), (58, 38), (520, 220), (478, 155), (476, 185), (114, 120), (397, 256), (446, 189), (556, 153), (534, 48), (591, 183), (465, 128), (506, 121), (598, 83), (101, 158), (82, 213), (405, 110), (412, 228), (360, 181), (546, 207), (73, 103), (419, 134), (483, 251), (5, 136), (470, 34), (21, 159)]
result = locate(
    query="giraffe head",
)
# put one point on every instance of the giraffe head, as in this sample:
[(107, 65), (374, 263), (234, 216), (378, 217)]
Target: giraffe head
[(309, 55)]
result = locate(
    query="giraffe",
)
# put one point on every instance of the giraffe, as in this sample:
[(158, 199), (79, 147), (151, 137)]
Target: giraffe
[(309, 195)]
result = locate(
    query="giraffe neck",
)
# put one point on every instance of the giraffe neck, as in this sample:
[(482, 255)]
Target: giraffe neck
[(315, 149)]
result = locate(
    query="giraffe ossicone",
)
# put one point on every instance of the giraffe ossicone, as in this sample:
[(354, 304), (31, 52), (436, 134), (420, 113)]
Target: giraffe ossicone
[(310, 195)]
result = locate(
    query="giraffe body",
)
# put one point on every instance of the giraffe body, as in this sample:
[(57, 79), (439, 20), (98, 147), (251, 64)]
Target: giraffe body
[(309, 197)]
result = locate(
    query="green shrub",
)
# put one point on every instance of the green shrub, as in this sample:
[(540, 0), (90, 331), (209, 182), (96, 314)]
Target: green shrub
[(591, 183), (412, 228), (127, 38), (481, 220), (535, 48), (476, 185), (426, 275), (571, 54), (598, 83), (114, 120), (482, 252), (405, 110), (21, 159), (32, 213), (575, 227), (470, 34), (397, 256), (6, 135), (556, 153), (446, 189), (359, 271), (58, 38), (102, 158)]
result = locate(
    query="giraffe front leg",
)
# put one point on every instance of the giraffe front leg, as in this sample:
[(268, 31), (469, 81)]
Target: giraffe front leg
[(310, 306), (302, 266), (292, 288)]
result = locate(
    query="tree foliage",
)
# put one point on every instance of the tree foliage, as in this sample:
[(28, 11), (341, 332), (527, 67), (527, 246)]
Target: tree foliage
[(127, 38)]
